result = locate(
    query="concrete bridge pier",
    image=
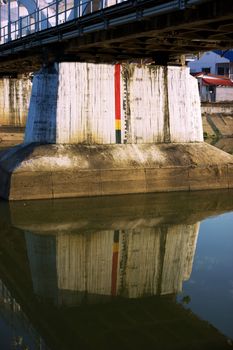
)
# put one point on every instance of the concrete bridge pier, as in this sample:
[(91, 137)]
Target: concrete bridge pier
[(14, 102), (102, 129)]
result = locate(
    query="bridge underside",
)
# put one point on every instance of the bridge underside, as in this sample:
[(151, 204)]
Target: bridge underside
[(128, 31)]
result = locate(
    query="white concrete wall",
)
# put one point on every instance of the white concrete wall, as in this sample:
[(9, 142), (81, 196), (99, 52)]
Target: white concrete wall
[(149, 106), (75, 103), (146, 93), (14, 101), (217, 108), (184, 106), (86, 105), (224, 93)]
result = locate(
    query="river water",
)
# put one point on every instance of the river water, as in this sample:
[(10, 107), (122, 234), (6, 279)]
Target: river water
[(125, 272)]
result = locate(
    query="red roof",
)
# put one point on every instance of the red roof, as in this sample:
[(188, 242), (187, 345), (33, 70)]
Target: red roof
[(212, 79), (217, 81)]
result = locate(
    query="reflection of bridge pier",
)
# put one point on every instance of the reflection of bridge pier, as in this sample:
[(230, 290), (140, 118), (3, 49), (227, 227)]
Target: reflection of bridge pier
[(130, 263), (74, 252), (129, 246)]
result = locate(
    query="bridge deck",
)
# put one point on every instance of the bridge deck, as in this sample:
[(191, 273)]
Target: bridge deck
[(129, 30)]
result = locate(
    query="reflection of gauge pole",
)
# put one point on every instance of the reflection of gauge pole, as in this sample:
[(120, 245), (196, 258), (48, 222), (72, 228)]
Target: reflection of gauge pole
[(115, 256)]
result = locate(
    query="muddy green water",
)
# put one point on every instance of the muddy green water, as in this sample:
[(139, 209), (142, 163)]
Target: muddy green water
[(126, 272)]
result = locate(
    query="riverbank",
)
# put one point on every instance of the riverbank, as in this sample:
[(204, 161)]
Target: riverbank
[(218, 124)]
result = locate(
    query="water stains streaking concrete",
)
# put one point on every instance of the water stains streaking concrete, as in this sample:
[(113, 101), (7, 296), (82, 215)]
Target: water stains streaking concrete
[(75, 103), (14, 101)]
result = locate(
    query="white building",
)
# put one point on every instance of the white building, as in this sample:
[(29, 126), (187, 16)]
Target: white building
[(220, 63), (213, 65)]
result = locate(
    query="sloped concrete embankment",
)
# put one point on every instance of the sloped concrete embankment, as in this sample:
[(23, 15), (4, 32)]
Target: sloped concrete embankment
[(218, 125), (217, 120)]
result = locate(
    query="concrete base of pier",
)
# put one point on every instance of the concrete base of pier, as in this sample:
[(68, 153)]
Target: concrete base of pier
[(33, 171)]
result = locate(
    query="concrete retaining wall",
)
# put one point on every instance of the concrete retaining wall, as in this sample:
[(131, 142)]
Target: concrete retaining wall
[(217, 119), (224, 93), (217, 108)]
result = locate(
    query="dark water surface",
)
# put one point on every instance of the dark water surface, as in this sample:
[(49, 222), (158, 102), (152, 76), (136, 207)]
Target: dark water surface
[(126, 272)]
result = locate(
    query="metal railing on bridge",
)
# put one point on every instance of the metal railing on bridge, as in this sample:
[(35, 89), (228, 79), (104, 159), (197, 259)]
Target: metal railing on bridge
[(62, 11), (56, 13)]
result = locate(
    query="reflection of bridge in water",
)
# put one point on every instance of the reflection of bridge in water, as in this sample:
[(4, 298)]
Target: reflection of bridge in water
[(106, 31), (76, 252), (130, 263), (86, 250)]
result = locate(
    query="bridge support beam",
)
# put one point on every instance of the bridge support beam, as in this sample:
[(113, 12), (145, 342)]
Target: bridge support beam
[(98, 129)]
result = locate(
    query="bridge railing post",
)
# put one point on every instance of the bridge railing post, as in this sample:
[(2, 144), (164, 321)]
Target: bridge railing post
[(9, 31), (13, 30), (65, 4), (9, 21), (47, 18), (76, 8), (182, 4), (20, 27), (37, 19), (5, 34), (57, 11)]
